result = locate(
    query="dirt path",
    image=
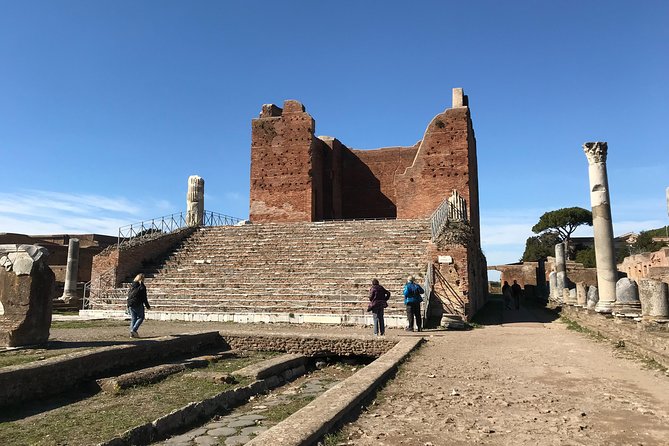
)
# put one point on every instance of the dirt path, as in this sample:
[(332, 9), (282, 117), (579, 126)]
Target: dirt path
[(517, 382)]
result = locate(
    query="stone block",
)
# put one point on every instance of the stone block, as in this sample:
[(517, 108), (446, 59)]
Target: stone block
[(654, 296), (581, 294), (627, 298), (26, 286), (593, 298)]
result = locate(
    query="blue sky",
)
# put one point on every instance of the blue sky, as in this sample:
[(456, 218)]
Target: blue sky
[(106, 107)]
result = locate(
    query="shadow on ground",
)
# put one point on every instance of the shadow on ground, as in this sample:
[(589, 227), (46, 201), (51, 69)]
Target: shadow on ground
[(531, 311)]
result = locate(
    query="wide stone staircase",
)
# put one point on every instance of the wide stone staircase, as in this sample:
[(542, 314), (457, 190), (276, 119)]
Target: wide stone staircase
[(290, 272)]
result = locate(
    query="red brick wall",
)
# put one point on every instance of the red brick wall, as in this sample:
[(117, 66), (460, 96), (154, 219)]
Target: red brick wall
[(443, 163), (282, 151), (128, 261), (369, 189), (298, 177)]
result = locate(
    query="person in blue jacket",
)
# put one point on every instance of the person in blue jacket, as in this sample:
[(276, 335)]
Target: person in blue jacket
[(412, 299)]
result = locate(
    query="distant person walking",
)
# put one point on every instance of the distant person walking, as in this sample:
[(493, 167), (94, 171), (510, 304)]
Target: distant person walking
[(412, 299), (378, 300), (516, 292), (506, 294), (137, 300)]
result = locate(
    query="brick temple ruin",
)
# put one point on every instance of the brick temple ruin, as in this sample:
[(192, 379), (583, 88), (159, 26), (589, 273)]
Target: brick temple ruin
[(324, 220), (297, 176)]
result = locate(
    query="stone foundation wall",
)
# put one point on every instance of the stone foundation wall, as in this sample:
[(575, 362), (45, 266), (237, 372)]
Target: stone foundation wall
[(646, 338), (309, 345), (60, 373), (461, 285), (57, 374)]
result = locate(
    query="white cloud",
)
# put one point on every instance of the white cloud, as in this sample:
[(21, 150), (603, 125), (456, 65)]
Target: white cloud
[(235, 196), (505, 233), (46, 212), (623, 227)]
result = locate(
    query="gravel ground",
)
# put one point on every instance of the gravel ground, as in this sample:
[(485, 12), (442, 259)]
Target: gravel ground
[(523, 380)]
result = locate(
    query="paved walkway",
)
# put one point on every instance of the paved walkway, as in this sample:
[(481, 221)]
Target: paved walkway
[(242, 424)]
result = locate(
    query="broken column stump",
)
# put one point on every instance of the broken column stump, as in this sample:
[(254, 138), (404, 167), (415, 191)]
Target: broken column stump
[(26, 288)]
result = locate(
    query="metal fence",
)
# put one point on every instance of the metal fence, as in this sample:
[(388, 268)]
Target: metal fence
[(169, 223), (429, 278), (439, 219)]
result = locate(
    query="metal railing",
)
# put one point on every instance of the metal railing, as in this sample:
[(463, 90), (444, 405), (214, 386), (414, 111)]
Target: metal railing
[(169, 223), (439, 219), (105, 281), (429, 278), (104, 288)]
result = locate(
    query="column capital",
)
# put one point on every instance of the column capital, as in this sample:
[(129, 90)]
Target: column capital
[(595, 151)]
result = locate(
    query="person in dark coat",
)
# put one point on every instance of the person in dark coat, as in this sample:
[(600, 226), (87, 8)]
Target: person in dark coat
[(516, 292), (506, 294), (378, 300), (412, 299), (137, 300)]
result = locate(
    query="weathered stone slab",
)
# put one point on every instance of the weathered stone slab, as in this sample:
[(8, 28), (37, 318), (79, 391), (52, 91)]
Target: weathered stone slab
[(654, 296), (26, 287), (627, 298), (144, 376), (273, 366), (593, 298), (581, 294)]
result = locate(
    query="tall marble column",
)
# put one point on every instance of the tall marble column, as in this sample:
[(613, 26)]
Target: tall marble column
[(552, 286), (71, 271), (607, 273), (560, 269), (195, 201)]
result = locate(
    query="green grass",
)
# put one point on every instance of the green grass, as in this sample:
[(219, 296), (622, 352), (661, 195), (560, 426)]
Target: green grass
[(334, 439), (281, 412), (16, 357), (98, 323), (103, 416), (575, 326)]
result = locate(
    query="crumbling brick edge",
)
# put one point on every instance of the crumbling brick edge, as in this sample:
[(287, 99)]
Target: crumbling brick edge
[(637, 337), (315, 420)]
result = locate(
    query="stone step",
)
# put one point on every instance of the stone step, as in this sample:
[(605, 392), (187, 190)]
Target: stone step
[(288, 306), (284, 268)]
